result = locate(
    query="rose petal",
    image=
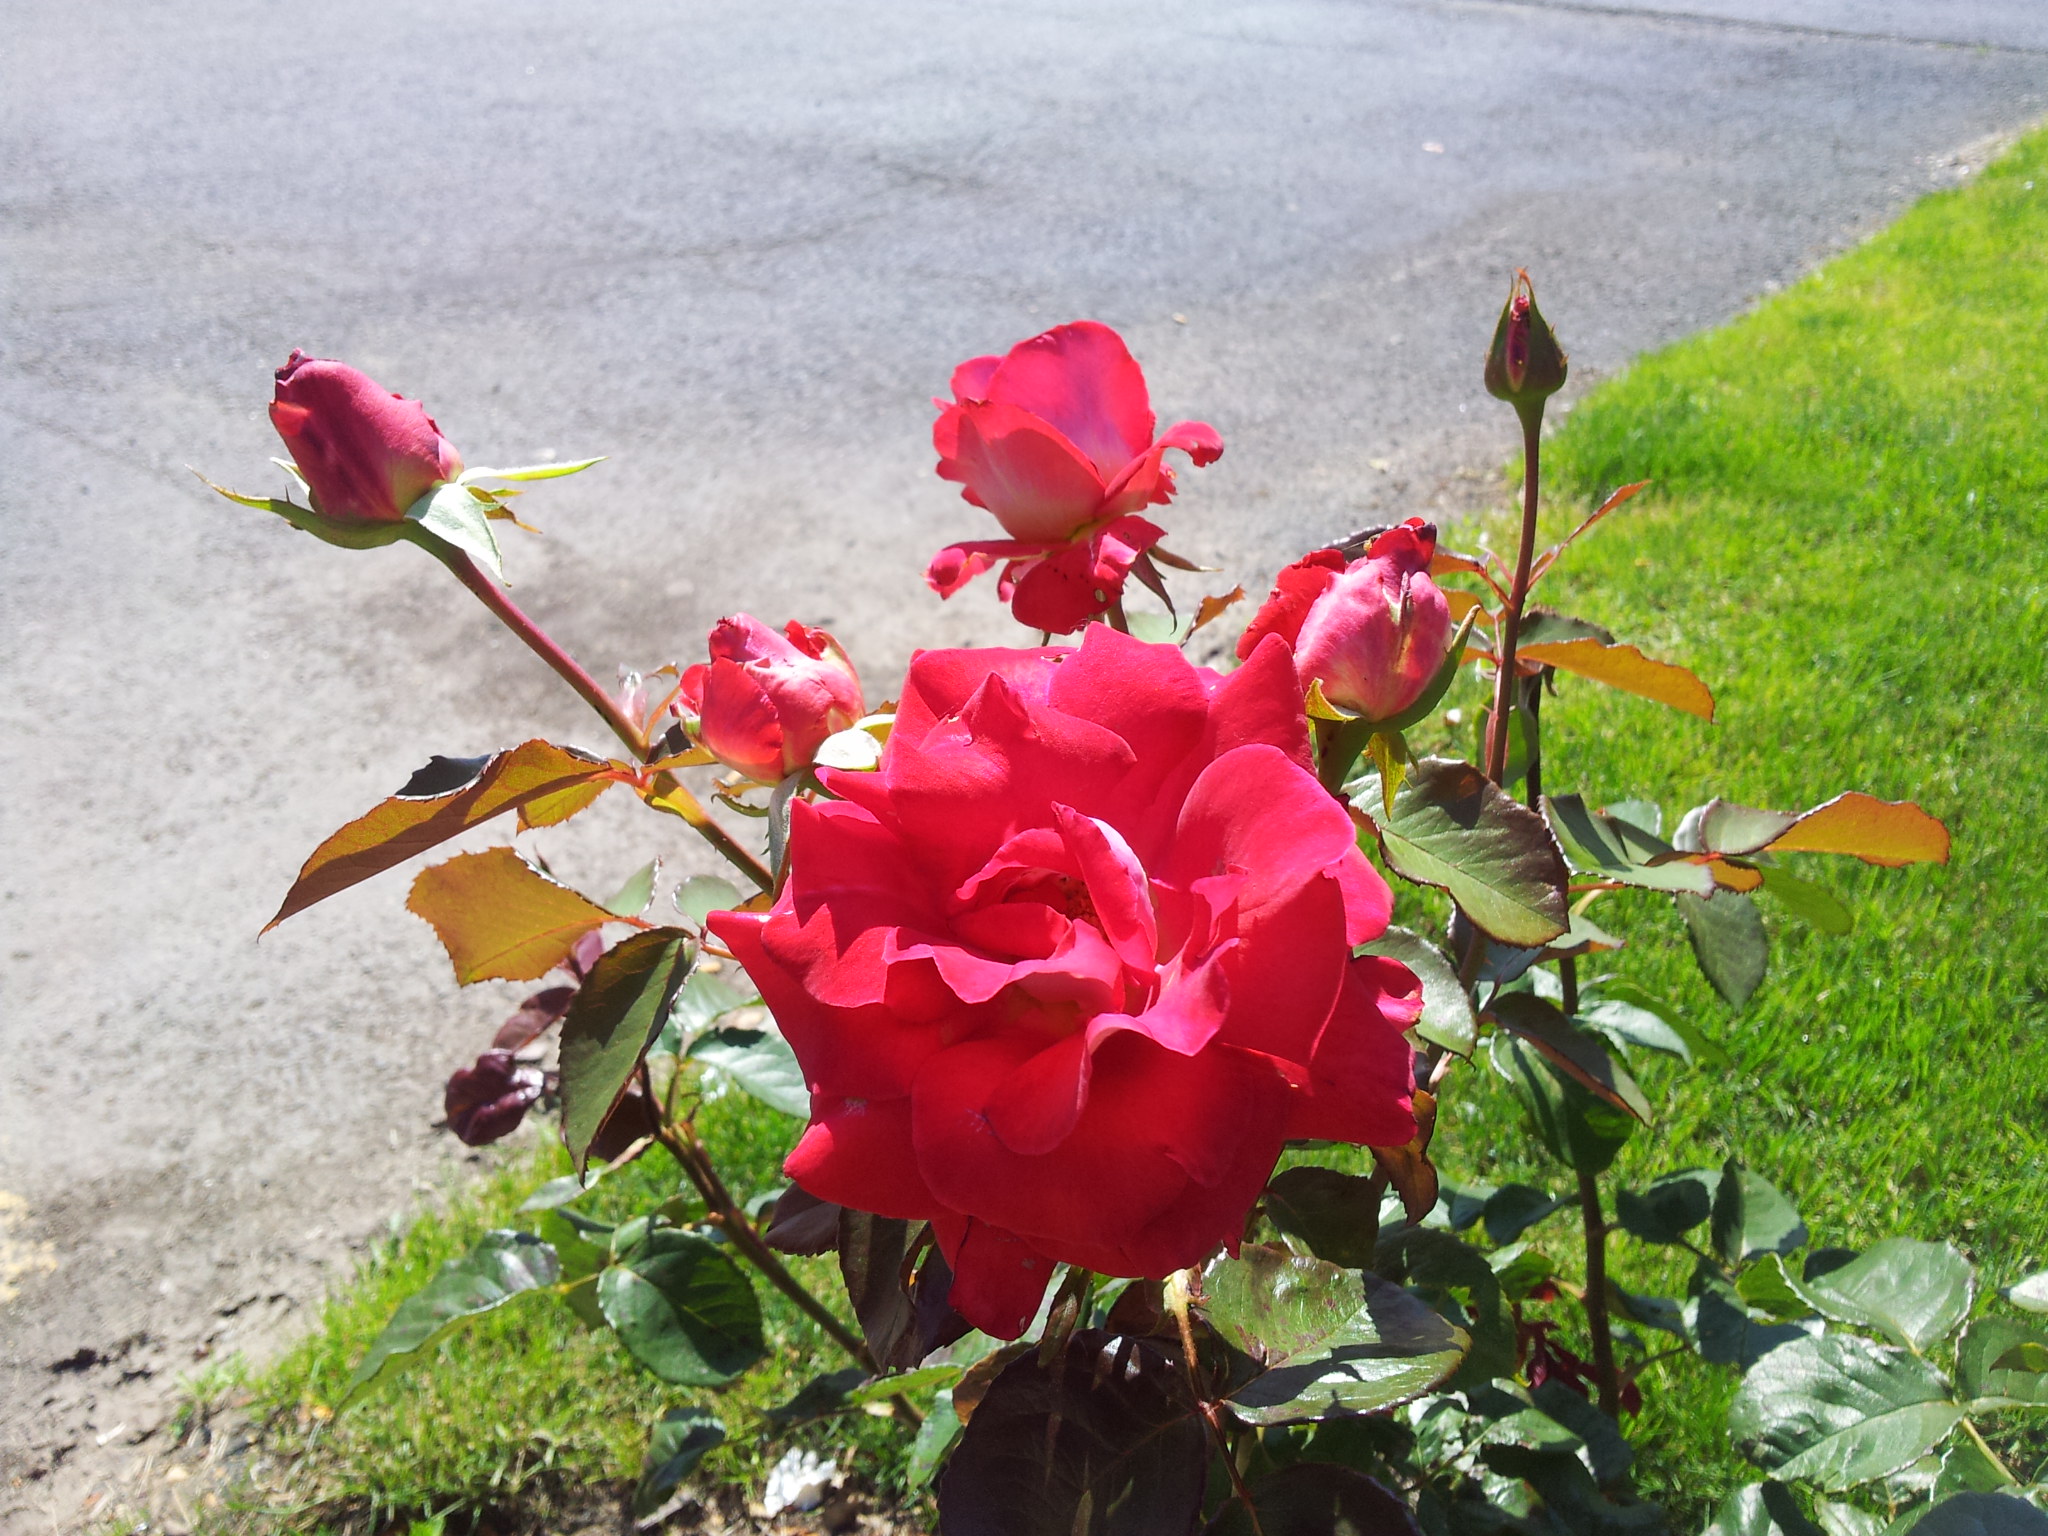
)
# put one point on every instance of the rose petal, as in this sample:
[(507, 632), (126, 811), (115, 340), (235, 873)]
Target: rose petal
[(1146, 481), (1295, 590), (1036, 482), (858, 1153), (998, 1278), (1362, 1075), (1082, 379)]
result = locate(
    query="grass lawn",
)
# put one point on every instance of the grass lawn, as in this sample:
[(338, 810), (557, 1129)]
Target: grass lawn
[(1848, 539)]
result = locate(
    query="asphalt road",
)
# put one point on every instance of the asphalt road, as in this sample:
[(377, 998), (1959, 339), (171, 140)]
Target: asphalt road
[(737, 248)]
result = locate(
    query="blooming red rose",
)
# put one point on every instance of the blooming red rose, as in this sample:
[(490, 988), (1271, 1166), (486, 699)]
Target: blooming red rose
[(1068, 969), (766, 701), (1055, 438), (1374, 633), (366, 453)]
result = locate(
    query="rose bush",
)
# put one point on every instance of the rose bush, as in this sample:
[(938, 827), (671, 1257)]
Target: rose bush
[(1055, 438), (765, 701), (1374, 633), (1065, 972), (366, 453)]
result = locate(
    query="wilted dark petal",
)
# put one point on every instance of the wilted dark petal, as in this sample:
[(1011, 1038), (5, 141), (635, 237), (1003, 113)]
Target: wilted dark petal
[(486, 1102), (536, 1016)]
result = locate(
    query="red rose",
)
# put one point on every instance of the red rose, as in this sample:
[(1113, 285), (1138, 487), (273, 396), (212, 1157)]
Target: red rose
[(1069, 968), (1055, 439), (766, 701), (1374, 634), (367, 454)]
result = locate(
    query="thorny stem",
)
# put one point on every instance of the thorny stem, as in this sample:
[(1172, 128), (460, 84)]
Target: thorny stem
[(1511, 615), (1532, 701), (1595, 1299), (680, 1138), (543, 645), (1177, 1300)]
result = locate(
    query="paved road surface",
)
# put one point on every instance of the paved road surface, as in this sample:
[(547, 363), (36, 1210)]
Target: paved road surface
[(736, 247)]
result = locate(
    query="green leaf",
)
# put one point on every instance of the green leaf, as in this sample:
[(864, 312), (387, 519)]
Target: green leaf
[(1813, 905), (632, 898), (2030, 1293), (1323, 1340), (1839, 1410), (1671, 1207), (1458, 1282), (701, 895), (683, 1309), (1751, 1217), (1521, 1268), (1447, 1018), (760, 1063), (936, 1436), (531, 471), (818, 1398), (1100, 1441), (1454, 830), (1704, 1051), (1583, 1132), (1314, 1498), (1966, 1469), (909, 1384), (1846, 1519), (1982, 1514), (1912, 1292), (453, 514), (583, 1248), (1619, 850), (1337, 1215), (705, 998), (680, 1439), (1728, 941), (1606, 1447), (1389, 753), (568, 1188), (1627, 1025), (617, 1013), (2002, 1363), (1766, 1286), (1578, 1054), (1761, 1509), (503, 1266), (1513, 1209), (1721, 1326)]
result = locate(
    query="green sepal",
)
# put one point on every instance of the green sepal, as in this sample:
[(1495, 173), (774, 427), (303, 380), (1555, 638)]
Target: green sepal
[(455, 516)]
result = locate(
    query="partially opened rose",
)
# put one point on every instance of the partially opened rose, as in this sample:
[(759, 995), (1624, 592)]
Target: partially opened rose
[(1068, 969), (765, 701), (366, 453), (1055, 438), (1373, 633)]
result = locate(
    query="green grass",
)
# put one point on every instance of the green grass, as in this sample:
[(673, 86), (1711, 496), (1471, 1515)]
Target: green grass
[(1848, 539), (524, 1405)]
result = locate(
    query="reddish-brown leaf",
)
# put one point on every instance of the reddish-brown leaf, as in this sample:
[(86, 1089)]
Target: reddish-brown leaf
[(1626, 668), (1891, 832), (406, 825), (501, 919)]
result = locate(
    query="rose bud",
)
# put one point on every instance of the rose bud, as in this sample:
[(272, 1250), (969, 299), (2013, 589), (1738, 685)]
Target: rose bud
[(1525, 365), (1055, 438), (366, 454), (1373, 634), (765, 702)]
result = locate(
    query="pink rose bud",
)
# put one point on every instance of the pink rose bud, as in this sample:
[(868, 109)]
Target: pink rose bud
[(1373, 634), (1525, 365), (366, 453), (766, 701)]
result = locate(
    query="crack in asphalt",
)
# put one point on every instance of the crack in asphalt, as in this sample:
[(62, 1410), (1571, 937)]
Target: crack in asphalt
[(1747, 24)]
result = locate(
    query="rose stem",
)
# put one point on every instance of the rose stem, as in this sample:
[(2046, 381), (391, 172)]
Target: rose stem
[(1597, 1322), (1596, 1295), (1208, 1411), (680, 1138), (543, 645), (1511, 619)]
